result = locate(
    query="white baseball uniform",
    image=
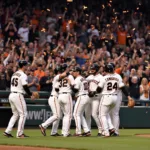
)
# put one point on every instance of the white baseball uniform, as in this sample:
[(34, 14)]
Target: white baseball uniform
[(88, 109), (93, 108), (65, 101), (17, 102), (115, 112), (82, 100), (55, 107), (110, 84)]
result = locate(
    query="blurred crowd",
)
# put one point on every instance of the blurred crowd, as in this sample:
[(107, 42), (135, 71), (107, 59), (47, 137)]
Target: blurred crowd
[(47, 34)]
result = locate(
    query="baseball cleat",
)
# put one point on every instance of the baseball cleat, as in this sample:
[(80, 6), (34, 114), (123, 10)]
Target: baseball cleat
[(86, 133), (99, 134), (69, 135), (105, 136), (56, 134), (7, 135), (42, 130), (78, 135), (22, 136), (115, 134), (111, 131)]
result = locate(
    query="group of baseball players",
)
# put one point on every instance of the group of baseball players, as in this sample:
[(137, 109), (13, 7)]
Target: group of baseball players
[(96, 95)]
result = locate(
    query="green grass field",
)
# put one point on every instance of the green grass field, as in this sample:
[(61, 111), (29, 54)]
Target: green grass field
[(126, 141)]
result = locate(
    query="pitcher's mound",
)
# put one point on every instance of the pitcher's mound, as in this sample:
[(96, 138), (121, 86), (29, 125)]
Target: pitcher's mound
[(143, 135)]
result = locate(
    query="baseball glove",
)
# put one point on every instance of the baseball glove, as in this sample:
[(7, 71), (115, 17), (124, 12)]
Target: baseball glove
[(92, 93), (36, 95), (131, 103)]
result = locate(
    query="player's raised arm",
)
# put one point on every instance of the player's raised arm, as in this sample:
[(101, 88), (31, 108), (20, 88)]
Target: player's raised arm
[(62, 70), (76, 83)]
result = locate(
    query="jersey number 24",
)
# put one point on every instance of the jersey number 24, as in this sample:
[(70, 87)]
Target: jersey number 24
[(111, 86)]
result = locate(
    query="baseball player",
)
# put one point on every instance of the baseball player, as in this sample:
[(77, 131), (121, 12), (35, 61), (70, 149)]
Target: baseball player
[(65, 101), (81, 89), (19, 87), (55, 107), (109, 86), (93, 106), (115, 111)]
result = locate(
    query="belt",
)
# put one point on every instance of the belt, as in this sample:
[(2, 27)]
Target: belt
[(18, 93), (53, 96), (64, 93), (110, 94), (96, 95), (82, 95)]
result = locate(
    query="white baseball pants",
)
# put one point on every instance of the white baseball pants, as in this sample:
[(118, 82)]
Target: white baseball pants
[(114, 113), (55, 107), (19, 110), (66, 105), (108, 102), (81, 103), (92, 109)]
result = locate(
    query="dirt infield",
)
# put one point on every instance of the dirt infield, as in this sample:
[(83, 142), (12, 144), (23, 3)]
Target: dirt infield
[(143, 135), (3, 147)]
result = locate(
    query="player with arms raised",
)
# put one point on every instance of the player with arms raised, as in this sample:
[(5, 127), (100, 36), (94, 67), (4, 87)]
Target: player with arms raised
[(65, 100)]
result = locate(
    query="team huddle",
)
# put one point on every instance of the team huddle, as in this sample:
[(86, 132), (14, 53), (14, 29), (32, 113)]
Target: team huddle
[(95, 96)]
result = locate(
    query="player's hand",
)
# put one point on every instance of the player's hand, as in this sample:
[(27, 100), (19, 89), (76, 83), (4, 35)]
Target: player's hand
[(129, 98)]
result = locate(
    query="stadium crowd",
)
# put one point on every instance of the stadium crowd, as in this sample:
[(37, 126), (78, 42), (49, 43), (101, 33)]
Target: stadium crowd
[(47, 34)]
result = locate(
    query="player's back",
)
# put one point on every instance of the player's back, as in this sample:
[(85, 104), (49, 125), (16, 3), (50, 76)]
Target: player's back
[(55, 84), (111, 84), (82, 85), (18, 79), (65, 85), (95, 81)]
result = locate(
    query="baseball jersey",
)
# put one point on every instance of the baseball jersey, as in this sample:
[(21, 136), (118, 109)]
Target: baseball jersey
[(55, 84), (65, 86), (18, 80), (90, 77), (94, 82), (82, 85), (111, 83)]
